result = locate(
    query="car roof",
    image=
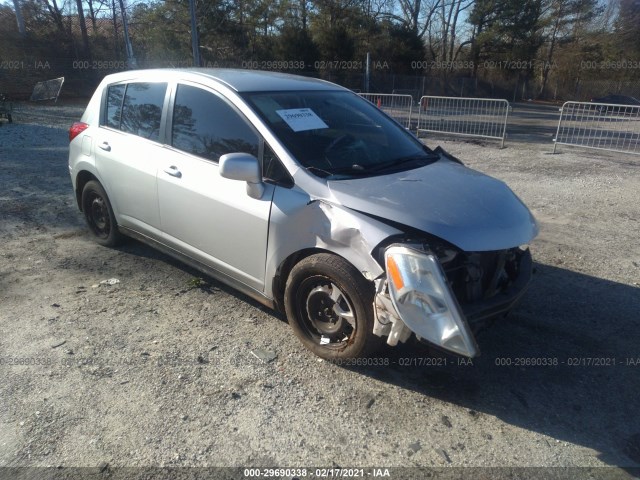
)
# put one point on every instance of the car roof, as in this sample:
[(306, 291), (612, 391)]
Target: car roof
[(237, 79)]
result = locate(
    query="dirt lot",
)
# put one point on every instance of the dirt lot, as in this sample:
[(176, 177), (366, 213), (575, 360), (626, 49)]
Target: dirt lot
[(163, 369)]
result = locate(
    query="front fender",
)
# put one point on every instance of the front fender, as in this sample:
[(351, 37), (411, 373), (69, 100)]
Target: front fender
[(299, 222)]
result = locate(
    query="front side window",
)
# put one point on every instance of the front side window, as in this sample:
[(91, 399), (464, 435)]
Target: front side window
[(207, 126), (142, 109)]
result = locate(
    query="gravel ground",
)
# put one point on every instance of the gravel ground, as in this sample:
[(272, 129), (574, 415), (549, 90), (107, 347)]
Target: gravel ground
[(166, 368)]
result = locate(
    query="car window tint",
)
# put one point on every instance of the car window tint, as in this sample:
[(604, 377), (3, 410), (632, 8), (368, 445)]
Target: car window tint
[(142, 109), (115, 93), (205, 125)]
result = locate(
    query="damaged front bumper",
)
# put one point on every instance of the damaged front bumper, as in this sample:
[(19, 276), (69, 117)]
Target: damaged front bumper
[(504, 300), (440, 298)]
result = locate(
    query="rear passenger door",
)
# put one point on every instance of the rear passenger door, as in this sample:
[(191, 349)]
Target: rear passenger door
[(206, 216), (128, 150)]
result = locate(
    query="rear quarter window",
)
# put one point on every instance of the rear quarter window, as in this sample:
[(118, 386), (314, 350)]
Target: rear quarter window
[(115, 95)]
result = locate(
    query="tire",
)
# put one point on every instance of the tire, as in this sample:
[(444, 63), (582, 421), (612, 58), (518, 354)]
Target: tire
[(342, 328), (10, 118), (99, 215)]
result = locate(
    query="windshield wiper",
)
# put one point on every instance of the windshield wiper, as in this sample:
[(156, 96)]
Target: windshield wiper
[(351, 170), (360, 170), (402, 160), (325, 172), (354, 169)]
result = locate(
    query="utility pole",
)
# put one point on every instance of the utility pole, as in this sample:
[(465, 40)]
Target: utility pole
[(194, 34), (115, 30), (20, 20), (367, 73), (127, 41)]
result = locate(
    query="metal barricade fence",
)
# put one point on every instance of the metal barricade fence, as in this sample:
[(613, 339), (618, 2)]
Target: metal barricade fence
[(472, 117), (47, 90), (602, 126), (398, 107)]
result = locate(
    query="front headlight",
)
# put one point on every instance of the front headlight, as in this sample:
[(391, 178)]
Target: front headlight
[(421, 295)]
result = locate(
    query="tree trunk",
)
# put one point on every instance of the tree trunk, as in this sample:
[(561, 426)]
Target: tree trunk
[(19, 19), (92, 16), (303, 14), (56, 15), (546, 68), (86, 51)]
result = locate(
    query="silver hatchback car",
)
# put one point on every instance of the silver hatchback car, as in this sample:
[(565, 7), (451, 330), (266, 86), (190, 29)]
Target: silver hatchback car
[(306, 197)]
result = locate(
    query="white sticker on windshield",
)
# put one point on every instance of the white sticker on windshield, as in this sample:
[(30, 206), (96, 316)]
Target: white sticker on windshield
[(301, 119)]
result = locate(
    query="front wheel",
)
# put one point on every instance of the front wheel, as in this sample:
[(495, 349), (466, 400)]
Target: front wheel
[(329, 305), (99, 215)]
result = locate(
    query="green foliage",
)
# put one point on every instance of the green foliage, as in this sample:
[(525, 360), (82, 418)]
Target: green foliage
[(627, 28), (160, 32), (295, 44), (548, 40), (393, 47), (507, 30)]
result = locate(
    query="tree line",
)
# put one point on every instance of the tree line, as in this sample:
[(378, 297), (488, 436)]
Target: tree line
[(541, 43)]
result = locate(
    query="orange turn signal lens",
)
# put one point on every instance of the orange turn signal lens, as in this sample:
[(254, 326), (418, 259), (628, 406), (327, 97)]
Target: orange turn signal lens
[(394, 273)]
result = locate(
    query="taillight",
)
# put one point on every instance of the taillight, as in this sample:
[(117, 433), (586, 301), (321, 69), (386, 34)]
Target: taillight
[(76, 129)]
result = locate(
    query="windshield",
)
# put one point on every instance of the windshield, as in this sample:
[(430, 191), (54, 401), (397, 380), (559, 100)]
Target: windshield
[(338, 134)]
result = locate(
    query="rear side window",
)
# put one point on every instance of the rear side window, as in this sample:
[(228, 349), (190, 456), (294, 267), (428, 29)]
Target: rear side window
[(142, 109), (205, 125), (115, 95), (136, 108)]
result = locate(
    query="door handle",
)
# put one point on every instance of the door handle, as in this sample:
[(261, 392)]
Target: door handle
[(173, 171), (105, 146)]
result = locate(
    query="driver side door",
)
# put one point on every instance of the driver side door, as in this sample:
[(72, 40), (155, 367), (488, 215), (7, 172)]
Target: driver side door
[(203, 215)]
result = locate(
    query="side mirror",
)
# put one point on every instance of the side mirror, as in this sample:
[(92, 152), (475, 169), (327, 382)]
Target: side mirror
[(245, 167)]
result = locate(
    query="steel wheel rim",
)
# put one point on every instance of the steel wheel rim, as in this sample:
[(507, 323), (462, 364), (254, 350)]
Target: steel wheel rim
[(98, 214), (327, 314)]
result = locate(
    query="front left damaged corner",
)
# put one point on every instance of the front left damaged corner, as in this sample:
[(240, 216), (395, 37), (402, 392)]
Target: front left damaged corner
[(387, 321)]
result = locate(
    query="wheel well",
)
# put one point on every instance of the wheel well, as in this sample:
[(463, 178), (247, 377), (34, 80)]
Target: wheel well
[(280, 279), (81, 180)]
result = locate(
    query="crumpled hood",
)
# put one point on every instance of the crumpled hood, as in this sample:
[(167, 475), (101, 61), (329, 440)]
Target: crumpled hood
[(471, 210)]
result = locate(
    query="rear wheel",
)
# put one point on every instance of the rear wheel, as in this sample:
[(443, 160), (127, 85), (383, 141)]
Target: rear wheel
[(329, 305), (99, 215)]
